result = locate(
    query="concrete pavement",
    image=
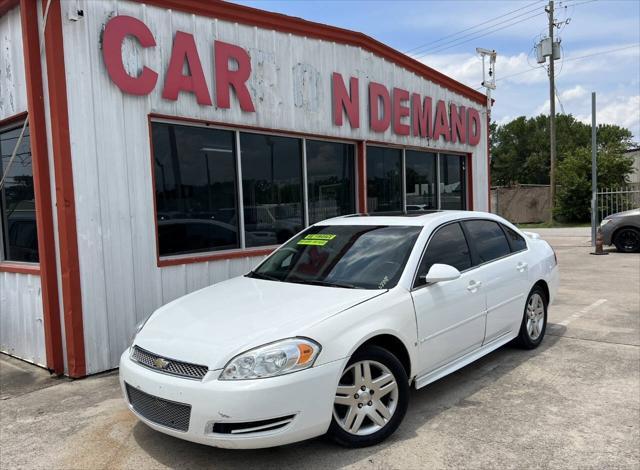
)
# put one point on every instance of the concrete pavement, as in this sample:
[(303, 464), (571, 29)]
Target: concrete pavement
[(572, 403)]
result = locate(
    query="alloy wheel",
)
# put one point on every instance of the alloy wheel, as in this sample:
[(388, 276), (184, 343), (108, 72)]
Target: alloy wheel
[(535, 316), (366, 399), (628, 240)]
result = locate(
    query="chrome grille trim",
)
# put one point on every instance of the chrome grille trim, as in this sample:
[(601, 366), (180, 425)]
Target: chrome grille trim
[(166, 413), (173, 367)]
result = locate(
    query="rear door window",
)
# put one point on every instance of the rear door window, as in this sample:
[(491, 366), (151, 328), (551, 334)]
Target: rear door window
[(488, 239), (515, 240)]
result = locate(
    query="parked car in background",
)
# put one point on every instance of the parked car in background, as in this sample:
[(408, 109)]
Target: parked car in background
[(330, 331), (622, 230)]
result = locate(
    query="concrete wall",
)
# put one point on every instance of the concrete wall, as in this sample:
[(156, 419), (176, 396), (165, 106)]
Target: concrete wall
[(522, 204)]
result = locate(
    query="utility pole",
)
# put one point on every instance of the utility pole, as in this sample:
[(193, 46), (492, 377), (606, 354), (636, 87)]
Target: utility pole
[(552, 117), (594, 171), (489, 83)]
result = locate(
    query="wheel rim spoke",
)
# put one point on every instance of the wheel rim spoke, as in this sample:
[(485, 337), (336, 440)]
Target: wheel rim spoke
[(366, 398)]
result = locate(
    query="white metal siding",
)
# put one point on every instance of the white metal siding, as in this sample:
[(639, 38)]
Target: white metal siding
[(13, 91), (290, 86), (21, 321)]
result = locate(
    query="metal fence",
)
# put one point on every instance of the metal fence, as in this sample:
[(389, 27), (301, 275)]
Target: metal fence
[(611, 201)]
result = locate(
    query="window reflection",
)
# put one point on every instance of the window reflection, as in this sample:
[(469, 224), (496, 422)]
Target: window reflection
[(421, 181), (195, 176), (17, 201), (452, 182), (330, 178), (384, 179), (271, 188)]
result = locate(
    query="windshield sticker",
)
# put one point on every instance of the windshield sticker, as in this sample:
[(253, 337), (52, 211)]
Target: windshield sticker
[(316, 239)]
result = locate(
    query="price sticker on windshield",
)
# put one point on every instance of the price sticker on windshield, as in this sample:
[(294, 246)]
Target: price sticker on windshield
[(316, 239)]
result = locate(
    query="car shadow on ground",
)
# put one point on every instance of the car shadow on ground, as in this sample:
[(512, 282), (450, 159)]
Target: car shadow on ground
[(449, 392)]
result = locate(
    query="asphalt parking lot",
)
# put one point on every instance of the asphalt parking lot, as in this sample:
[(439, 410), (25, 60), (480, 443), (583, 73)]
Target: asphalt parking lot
[(572, 403)]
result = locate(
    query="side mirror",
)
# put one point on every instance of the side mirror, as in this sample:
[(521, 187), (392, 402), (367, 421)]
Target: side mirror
[(441, 272)]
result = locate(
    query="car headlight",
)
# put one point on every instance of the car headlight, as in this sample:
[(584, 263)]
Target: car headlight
[(278, 358), (604, 222)]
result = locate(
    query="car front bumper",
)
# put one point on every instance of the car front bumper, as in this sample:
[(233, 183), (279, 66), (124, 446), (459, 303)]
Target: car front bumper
[(307, 395)]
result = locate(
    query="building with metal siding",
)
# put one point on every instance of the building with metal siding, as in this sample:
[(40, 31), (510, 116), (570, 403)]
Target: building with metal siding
[(136, 217)]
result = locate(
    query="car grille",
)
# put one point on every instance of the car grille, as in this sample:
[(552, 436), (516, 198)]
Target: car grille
[(167, 413), (168, 366)]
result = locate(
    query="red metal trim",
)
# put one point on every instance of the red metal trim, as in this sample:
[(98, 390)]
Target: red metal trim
[(488, 163), (234, 254), (16, 118), (252, 16), (361, 175), (6, 5), (42, 188), (61, 145), (34, 269)]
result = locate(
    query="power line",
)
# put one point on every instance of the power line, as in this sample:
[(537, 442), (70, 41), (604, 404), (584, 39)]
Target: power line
[(570, 59), (470, 28), (440, 49)]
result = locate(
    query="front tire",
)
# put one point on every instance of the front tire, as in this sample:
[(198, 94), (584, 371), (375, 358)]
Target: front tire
[(627, 240), (371, 399), (534, 320)]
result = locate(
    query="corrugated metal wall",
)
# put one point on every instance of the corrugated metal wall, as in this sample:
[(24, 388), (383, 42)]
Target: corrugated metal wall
[(121, 283), (13, 91), (21, 323)]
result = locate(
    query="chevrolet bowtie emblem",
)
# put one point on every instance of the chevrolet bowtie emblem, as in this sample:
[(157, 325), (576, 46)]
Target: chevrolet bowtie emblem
[(161, 363)]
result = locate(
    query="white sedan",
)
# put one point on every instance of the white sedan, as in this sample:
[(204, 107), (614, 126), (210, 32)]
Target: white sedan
[(328, 333)]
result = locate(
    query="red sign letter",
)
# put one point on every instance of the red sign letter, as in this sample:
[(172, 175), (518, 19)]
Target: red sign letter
[(349, 101), (377, 92), (458, 124), (441, 126), (421, 116), (115, 31), (473, 126), (400, 111), (225, 78), (184, 48)]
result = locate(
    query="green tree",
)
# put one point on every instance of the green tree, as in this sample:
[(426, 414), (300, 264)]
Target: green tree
[(520, 148), (573, 203)]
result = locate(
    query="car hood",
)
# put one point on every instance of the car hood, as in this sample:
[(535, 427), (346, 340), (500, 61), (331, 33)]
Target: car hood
[(630, 213), (212, 325)]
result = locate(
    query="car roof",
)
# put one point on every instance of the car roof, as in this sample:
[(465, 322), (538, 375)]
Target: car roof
[(411, 219)]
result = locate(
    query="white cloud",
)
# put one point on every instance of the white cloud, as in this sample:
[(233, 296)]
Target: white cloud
[(623, 111)]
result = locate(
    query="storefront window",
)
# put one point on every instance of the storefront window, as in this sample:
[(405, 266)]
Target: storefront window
[(271, 188), (17, 203), (421, 180), (195, 176), (384, 179), (330, 179), (452, 182)]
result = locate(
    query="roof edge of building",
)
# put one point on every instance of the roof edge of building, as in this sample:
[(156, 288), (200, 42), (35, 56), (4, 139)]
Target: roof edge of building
[(255, 17)]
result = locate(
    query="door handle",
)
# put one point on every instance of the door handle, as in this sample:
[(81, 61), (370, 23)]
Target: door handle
[(474, 286), (521, 266)]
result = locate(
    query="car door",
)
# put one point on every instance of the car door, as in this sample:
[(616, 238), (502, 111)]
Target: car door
[(503, 273), (450, 315)]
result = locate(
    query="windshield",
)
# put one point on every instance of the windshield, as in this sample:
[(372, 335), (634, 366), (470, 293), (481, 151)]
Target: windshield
[(352, 256)]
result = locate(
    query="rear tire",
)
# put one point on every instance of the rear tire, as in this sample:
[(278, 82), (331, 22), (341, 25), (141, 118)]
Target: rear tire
[(371, 399), (534, 319), (627, 240)]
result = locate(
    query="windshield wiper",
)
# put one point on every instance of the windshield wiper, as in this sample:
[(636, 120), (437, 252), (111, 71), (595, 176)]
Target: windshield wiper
[(316, 282), (267, 277)]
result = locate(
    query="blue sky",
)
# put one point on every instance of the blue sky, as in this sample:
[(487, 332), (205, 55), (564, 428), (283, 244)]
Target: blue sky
[(608, 31)]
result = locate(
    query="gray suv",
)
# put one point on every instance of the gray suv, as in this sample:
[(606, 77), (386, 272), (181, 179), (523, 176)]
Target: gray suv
[(622, 230)]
